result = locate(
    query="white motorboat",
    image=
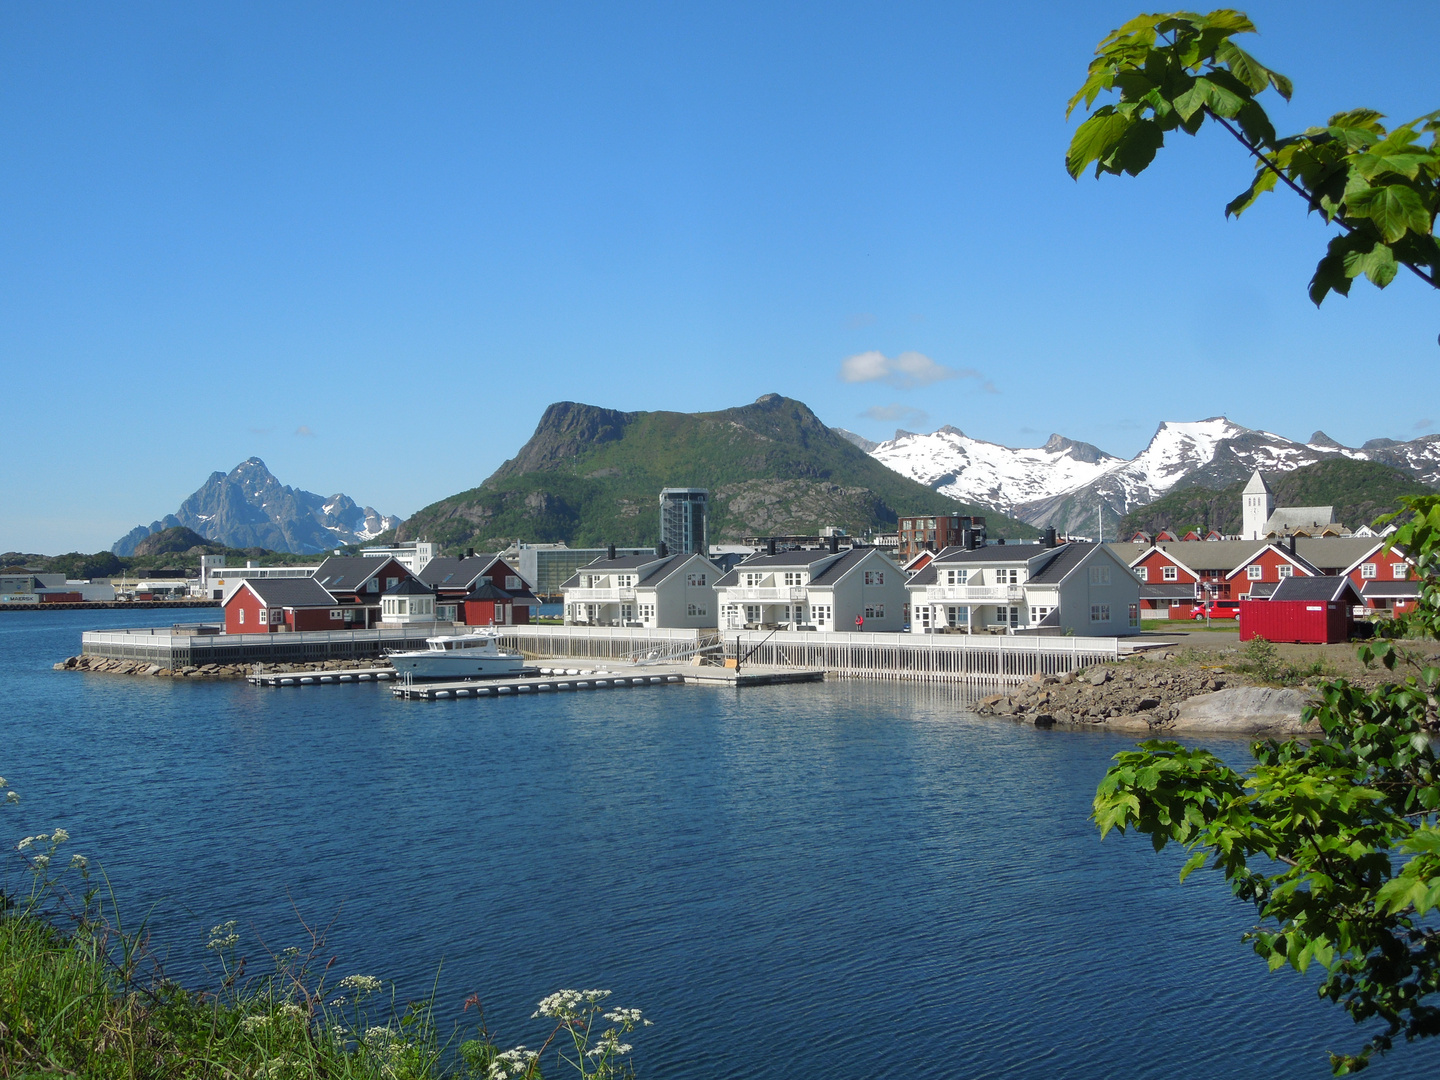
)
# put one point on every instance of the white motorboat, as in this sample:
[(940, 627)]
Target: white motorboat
[(458, 656)]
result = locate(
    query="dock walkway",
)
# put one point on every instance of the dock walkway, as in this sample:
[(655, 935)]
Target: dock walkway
[(614, 676)]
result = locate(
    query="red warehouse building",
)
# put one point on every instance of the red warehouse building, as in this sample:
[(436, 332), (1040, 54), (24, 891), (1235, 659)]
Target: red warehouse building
[(1304, 610), (274, 605)]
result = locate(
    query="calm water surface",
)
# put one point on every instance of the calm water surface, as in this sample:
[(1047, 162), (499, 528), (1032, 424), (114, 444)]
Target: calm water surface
[(847, 880)]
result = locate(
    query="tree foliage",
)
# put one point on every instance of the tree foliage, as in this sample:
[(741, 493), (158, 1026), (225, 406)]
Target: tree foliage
[(1334, 840), (1172, 72)]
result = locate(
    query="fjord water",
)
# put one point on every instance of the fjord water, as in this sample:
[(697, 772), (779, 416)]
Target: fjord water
[(847, 880)]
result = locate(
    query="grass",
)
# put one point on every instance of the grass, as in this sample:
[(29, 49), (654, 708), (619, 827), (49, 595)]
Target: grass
[(81, 995)]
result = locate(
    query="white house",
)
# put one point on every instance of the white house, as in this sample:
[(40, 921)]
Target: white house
[(860, 588), (670, 591), (1079, 588)]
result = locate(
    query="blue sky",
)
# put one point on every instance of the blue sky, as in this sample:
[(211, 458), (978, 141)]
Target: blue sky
[(370, 243)]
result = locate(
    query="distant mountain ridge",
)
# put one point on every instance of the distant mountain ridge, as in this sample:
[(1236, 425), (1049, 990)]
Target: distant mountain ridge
[(1069, 485), (591, 475), (248, 507)]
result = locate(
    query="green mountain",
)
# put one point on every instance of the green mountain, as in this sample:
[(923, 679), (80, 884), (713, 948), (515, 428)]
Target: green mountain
[(591, 476), (1360, 491)]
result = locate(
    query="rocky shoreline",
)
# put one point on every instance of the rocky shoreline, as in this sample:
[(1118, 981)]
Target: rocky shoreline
[(1153, 698), (106, 666)]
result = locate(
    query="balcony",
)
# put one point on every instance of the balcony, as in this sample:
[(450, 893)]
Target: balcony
[(737, 594), (598, 596), (975, 594)]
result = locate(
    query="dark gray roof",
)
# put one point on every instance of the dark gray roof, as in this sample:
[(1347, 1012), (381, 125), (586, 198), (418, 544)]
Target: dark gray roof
[(1066, 558), (487, 592), (952, 557), (409, 587), (1168, 590), (801, 557), (346, 573), (841, 566), (1315, 590), (1261, 590), (290, 592), (448, 572), (1403, 590)]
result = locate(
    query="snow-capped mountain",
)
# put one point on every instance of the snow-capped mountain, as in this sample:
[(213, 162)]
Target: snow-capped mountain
[(248, 507), (1070, 485), (972, 470)]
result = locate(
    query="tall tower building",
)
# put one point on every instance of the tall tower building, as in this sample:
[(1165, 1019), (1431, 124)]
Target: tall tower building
[(1258, 505), (683, 513)]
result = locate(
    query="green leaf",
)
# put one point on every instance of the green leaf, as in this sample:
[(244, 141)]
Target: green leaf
[(1378, 264), (1394, 208), (1193, 863), (1096, 139), (1138, 146), (1264, 181)]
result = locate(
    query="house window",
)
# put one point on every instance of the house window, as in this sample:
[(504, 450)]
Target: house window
[(696, 581), (1007, 616), (625, 581), (821, 613), (956, 577), (391, 582), (753, 581), (1100, 575), (874, 577), (336, 614), (1254, 572), (372, 585), (264, 616), (1143, 573), (512, 582), (1099, 612), (647, 612), (1397, 571), (1367, 570), (791, 579), (627, 613), (1134, 615), (242, 616), (1284, 570), (1169, 573), (693, 610), (443, 612), (1039, 613), (874, 611)]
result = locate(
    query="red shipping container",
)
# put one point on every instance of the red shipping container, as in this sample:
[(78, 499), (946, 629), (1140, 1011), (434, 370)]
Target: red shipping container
[(1307, 622), (60, 598)]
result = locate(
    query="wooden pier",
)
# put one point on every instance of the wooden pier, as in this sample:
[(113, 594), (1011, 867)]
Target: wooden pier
[(613, 677)]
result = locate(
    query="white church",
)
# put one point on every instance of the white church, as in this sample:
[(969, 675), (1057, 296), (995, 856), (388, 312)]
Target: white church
[(1263, 520)]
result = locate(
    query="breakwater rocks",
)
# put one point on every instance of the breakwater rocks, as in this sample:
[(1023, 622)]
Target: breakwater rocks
[(1155, 701), (104, 666)]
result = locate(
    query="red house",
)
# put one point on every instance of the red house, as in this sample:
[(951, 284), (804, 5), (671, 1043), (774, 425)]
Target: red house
[(1174, 576), (274, 605), (486, 605), (455, 580), (1386, 579), (356, 582), (1271, 563)]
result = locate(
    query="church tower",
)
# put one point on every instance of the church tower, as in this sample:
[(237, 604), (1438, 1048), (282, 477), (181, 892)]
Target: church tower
[(1259, 504)]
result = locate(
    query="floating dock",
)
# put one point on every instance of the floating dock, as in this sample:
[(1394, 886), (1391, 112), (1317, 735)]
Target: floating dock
[(565, 680), (318, 678)]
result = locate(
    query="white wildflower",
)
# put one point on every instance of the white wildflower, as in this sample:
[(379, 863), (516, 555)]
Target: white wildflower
[(251, 1024), (25, 843), (361, 984), (292, 1011), (619, 1049), (2, 782), (623, 1016), (222, 936), (42, 861), (381, 1035), (59, 836), (336, 1002), (512, 1063), (12, 796), (79, 862), (566, 1003)]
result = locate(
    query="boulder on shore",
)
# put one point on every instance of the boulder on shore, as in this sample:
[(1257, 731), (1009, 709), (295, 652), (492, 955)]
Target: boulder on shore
[(1244, 710)]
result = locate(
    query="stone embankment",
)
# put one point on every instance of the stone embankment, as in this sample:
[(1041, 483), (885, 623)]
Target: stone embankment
[(1153, 699), (101, 665)]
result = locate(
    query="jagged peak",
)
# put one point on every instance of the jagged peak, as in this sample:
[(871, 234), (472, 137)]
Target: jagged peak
[(1323, 440)]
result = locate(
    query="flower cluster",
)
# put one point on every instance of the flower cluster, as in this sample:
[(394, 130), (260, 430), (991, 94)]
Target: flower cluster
[(10, 796), (569, 1004), (223, 936), (512, 1063), (361, 985)]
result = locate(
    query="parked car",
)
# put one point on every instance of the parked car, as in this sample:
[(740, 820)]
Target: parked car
[(1217, 611)]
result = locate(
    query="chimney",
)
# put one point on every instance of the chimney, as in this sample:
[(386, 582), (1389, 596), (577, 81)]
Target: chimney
[(834, 544), (1292, 544), (1001, 541), (610, 554), (770, 546), (967, 539), (661, 551), (469, 553), (1050, 538)]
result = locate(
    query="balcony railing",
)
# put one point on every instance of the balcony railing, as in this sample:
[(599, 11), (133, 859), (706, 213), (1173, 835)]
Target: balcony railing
[(590, 596), (738, 594), (975, 594)]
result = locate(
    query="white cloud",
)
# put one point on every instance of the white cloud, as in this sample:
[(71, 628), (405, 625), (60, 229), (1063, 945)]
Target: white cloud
[(304, 430), (896, 413), (906, 371)]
